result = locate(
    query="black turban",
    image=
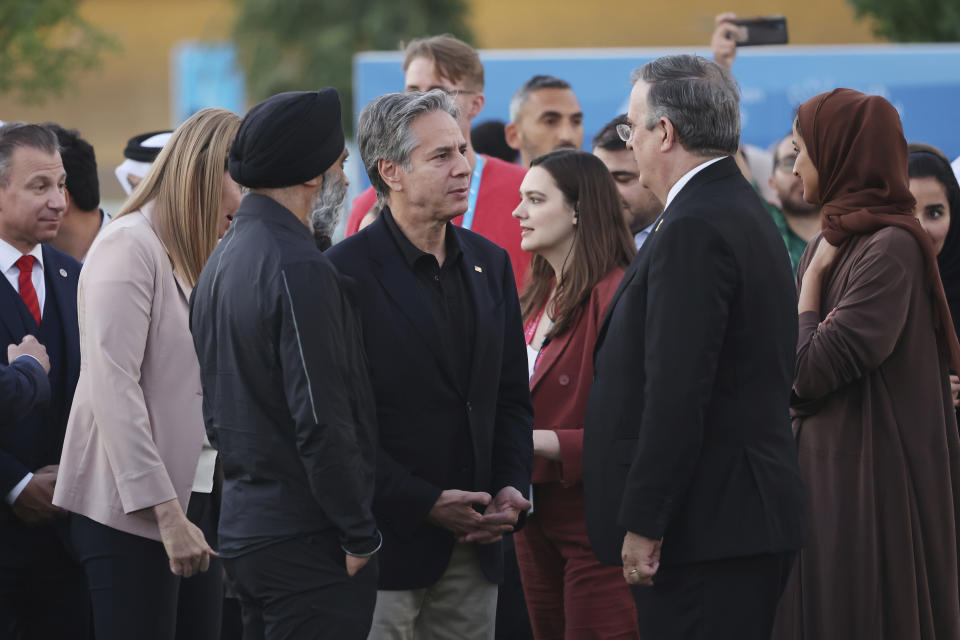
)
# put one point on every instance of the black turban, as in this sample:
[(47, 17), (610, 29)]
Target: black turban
[(287, 139)]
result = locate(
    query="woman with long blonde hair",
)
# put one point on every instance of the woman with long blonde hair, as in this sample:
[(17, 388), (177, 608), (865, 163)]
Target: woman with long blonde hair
[(137, 472)]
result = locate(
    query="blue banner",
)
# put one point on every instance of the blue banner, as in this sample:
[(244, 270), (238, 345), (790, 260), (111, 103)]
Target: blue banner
[(205, 74), (922, 81)]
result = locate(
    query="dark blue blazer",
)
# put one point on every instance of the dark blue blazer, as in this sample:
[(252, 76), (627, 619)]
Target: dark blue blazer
[(23, 386), (419, 402), (36, 439)]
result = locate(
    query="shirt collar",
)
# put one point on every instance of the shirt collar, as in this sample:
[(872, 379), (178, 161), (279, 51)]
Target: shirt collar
[(411, 253), (682, 182), (9, 255), (641, 236)]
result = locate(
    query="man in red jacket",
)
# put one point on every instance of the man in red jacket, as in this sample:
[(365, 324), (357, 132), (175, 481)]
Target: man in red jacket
[(443, 62)]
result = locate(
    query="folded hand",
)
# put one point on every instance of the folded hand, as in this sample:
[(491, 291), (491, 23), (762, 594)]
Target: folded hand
[(499, 517)]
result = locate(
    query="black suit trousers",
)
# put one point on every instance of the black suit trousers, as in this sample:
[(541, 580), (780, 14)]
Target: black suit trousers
[(298, 589), (133, 591), (42, 593), (728, 599)]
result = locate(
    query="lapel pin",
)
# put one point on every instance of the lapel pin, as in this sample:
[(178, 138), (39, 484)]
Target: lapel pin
[(63, 273), (477, 269)]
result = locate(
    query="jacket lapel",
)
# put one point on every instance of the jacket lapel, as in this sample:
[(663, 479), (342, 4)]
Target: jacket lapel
[(549, 358), (628, 277), (62, 279), (185, 289), (476, 273), (401, 286), (9, 315)]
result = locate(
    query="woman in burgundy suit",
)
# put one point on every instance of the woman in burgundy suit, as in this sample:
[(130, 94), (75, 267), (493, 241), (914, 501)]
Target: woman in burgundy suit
[(572, 222)]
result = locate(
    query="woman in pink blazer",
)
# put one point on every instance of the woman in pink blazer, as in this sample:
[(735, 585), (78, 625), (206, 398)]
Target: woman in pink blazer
[(571, 220), (137, 472)]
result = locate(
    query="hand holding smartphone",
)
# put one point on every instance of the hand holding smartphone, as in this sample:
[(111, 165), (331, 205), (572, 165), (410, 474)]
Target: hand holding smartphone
[(759, 31)]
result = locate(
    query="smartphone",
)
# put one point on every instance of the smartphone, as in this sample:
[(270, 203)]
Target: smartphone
[(758, 31)]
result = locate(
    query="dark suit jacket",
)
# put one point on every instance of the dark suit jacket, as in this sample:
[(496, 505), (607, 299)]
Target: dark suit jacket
[(37, 438), (23, 385), (687, 433), (418, 402)]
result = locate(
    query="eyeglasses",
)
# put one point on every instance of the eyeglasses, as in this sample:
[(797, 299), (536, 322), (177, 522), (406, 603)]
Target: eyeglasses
[(453, 93), (624, 131)]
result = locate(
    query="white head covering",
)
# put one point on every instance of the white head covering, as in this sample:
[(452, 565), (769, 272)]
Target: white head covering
[(956, 168), (139, 168)]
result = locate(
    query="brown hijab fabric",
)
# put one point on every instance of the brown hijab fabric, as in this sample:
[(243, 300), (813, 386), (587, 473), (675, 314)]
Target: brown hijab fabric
[(856, 143)]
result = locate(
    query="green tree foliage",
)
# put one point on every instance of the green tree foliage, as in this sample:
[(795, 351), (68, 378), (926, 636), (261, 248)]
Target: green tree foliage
[(913, 20), (293, 45), (42, 44)]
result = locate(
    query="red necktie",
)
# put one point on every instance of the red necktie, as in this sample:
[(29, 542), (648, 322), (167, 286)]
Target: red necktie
[(27, 292)]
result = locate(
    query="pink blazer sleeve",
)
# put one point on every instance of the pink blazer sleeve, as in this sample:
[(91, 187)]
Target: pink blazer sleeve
[(117, 299)]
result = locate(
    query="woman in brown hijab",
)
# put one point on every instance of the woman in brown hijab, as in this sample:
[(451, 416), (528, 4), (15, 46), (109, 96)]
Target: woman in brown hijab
[(874, 421)]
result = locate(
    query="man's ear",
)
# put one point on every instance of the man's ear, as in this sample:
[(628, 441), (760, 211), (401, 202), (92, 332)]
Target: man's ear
[(476, 106), (68, 201), (390, 172), (512, 133), (667, 133)]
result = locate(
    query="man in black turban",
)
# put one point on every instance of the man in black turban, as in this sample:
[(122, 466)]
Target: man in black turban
[(287, 402)]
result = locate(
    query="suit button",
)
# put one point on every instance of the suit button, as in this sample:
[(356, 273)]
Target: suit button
[(564, 379), (469, 406)]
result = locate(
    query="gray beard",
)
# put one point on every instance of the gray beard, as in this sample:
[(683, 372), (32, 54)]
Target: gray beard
[(326, 208)]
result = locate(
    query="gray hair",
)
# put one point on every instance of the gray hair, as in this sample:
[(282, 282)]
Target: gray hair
[(326, 208), (699, 97), (536, 83), (21, 134), (383, 130)]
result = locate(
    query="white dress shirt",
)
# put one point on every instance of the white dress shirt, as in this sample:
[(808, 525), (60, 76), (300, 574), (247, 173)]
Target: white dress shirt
[(682, 182), (8, 263), (644, 233)]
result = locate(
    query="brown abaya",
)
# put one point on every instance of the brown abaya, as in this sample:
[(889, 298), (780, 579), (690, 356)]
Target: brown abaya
[(875, 425)]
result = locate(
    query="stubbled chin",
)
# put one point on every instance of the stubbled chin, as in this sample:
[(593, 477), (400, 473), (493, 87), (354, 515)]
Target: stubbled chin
[(48, 231)]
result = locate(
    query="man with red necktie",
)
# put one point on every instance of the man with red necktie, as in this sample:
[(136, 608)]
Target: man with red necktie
[(42, 593)]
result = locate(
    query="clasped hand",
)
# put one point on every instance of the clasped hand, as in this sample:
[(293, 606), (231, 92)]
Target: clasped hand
[(454, 511)]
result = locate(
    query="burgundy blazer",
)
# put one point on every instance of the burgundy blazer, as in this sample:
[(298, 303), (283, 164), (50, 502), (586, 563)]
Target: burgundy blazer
[(561, 384)]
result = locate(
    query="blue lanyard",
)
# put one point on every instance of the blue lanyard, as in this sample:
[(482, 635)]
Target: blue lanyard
[(474, 191)]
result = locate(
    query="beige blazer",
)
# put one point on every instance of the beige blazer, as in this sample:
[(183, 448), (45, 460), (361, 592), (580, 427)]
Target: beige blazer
[(136, 426)]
